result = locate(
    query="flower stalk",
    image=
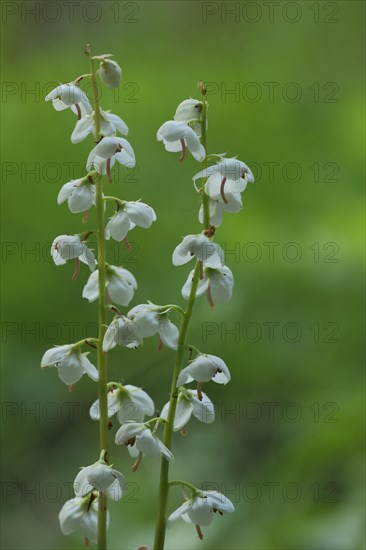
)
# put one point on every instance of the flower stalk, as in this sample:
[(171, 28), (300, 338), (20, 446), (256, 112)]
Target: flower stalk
[(183, 333), (102, 318)]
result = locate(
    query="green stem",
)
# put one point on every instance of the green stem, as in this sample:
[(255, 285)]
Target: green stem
[(205, 198), (102, 320), (168, 428), (183, 331), (184, 484)]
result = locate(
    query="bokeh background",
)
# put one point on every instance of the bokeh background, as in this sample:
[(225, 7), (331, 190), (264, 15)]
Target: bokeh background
[(287, 444)]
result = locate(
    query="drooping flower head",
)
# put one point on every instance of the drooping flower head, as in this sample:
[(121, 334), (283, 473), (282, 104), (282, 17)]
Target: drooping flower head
[(99, 477), (127, 403), (201, 508), (128, 215), (110, 72), (142, 321), (72, 247), (201, 247), (204, 368), (70, 95), (80, 194), (81, 513), (140, 441), (178, 136), (71, 364), (107, 151), (218, 284), (110, 125), (190, 402), (229, 176), (120, 285), (190, 111)]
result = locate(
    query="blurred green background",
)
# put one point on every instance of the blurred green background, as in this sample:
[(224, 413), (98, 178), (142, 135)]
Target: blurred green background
[(290, 456)]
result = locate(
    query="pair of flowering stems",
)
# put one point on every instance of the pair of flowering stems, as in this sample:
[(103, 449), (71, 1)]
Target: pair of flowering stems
[(223, 181)]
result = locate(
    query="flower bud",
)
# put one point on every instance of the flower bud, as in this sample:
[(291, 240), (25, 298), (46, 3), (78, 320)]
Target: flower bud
[(110, 73)]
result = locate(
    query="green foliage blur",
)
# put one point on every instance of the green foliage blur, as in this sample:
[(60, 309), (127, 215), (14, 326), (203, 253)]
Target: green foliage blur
[(287, 443)]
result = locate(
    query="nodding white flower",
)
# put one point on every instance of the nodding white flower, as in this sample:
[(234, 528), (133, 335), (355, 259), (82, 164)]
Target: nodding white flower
[(177, 136), (190, 111), (141, 442), (69, 95), (71, 364), (229, 176), (200, 508), (71, 247), (107, 151), (81, 513), (80, 194), (124, 332), (127, 403), (217, 283), (99, 477), (128, 215), (200, 246), (110, 124), (190, 402), (151, 319), (226, 192), (110, 72), (204, 368), (120, 285)]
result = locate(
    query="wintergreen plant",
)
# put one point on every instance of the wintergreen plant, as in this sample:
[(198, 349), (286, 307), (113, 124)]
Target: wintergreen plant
[(222, 182)]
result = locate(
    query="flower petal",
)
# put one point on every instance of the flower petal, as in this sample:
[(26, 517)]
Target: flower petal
[(91, 289), (71, 515), (177, 514), (82, 129), (140, 213), (118, 226), (128, 431), (54, 355), (169, 333)]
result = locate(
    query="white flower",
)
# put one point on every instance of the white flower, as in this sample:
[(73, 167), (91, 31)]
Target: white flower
[(151, 319), (110, 124), (110, 72), (127, 403), (70, 247), (227, 192), (99, 477), (190, 111), (141, 441), (78, 513), (218, 283), (128, 215), (177, 136), (188, 404), (70, 363), (200, 508), (80, 194), (204, 368), (69, 95), (107, 151), (142, 321), (229, 176), (200, 246), (124, 332), (120, 284)]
